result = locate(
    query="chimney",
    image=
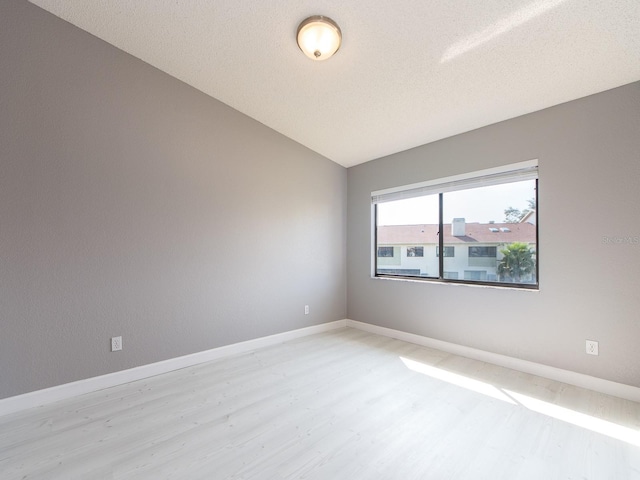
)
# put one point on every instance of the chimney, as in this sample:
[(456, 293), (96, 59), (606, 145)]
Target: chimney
[(457, 227)]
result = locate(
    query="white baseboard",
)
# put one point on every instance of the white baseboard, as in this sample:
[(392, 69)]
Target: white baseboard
[(80, 387), (68, 390), (565, 376)]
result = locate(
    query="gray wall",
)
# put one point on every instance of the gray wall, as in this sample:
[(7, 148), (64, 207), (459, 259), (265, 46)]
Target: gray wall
[(589, 167), (132, 204)]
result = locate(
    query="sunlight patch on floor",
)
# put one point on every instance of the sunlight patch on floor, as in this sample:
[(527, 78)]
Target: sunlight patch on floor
[(459, 380), (564, 414), (589, 422)]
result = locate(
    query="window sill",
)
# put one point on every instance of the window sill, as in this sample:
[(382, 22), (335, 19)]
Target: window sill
[(435, 281)]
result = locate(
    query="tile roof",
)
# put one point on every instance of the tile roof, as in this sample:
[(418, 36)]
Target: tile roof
[(475, 233)]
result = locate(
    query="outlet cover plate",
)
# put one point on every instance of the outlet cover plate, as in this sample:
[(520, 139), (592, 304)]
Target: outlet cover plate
[(116, 344), (592, 347)]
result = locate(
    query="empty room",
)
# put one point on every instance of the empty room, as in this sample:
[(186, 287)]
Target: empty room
[(319, 240)]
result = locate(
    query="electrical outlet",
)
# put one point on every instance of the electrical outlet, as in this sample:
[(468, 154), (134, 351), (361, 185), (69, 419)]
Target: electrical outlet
[(306, 309), (116, 344), (592, 347)]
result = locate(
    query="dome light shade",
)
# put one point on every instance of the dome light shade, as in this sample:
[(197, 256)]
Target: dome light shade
[(319, 37)]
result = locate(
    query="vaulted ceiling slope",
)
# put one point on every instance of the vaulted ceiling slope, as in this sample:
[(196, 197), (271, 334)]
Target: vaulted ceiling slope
[(408, 72)]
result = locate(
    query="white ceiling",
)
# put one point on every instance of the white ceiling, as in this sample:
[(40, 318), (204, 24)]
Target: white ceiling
[(409, 72)]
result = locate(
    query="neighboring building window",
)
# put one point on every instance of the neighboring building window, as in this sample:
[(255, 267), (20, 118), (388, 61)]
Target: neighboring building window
[(477, 275), (491, 215), (385, 251), (483, 252), (448, 251), (402, 271)]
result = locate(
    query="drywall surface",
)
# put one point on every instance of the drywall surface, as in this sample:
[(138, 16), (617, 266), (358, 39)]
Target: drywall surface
[(589, 188), (132, 204)]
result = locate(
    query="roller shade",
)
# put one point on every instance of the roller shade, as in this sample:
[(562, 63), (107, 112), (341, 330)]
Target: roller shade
[(508, 174)]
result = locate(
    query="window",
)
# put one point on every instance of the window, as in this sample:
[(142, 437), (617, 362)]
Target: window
[(483, 252), (401, 271), (448, 251), (385, 251), (490, 215), (475, 275)]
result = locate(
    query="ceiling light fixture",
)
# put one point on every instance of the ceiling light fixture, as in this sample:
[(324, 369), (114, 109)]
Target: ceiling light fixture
[(319, 37)]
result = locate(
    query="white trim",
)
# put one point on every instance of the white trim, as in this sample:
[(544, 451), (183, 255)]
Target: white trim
[(461, 177), (68, 390), (601, 385), (80, 387)]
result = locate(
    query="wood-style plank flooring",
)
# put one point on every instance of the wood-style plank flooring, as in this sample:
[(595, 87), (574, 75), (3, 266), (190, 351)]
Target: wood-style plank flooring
[(339, 405)]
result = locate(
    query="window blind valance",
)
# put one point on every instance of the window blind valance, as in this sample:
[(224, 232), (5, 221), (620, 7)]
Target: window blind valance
[(494, 176)]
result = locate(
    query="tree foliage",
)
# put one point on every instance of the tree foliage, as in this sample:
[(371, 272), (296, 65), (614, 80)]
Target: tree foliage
[(514, 215), (517, 261)]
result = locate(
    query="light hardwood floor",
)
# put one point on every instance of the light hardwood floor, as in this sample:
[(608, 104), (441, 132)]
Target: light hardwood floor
[(340, 405)]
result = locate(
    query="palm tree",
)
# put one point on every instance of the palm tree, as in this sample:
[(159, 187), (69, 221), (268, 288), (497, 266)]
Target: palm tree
[(517, 261)]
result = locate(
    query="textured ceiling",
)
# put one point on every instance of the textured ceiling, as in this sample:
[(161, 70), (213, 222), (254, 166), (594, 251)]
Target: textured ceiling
[(409, 72)]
